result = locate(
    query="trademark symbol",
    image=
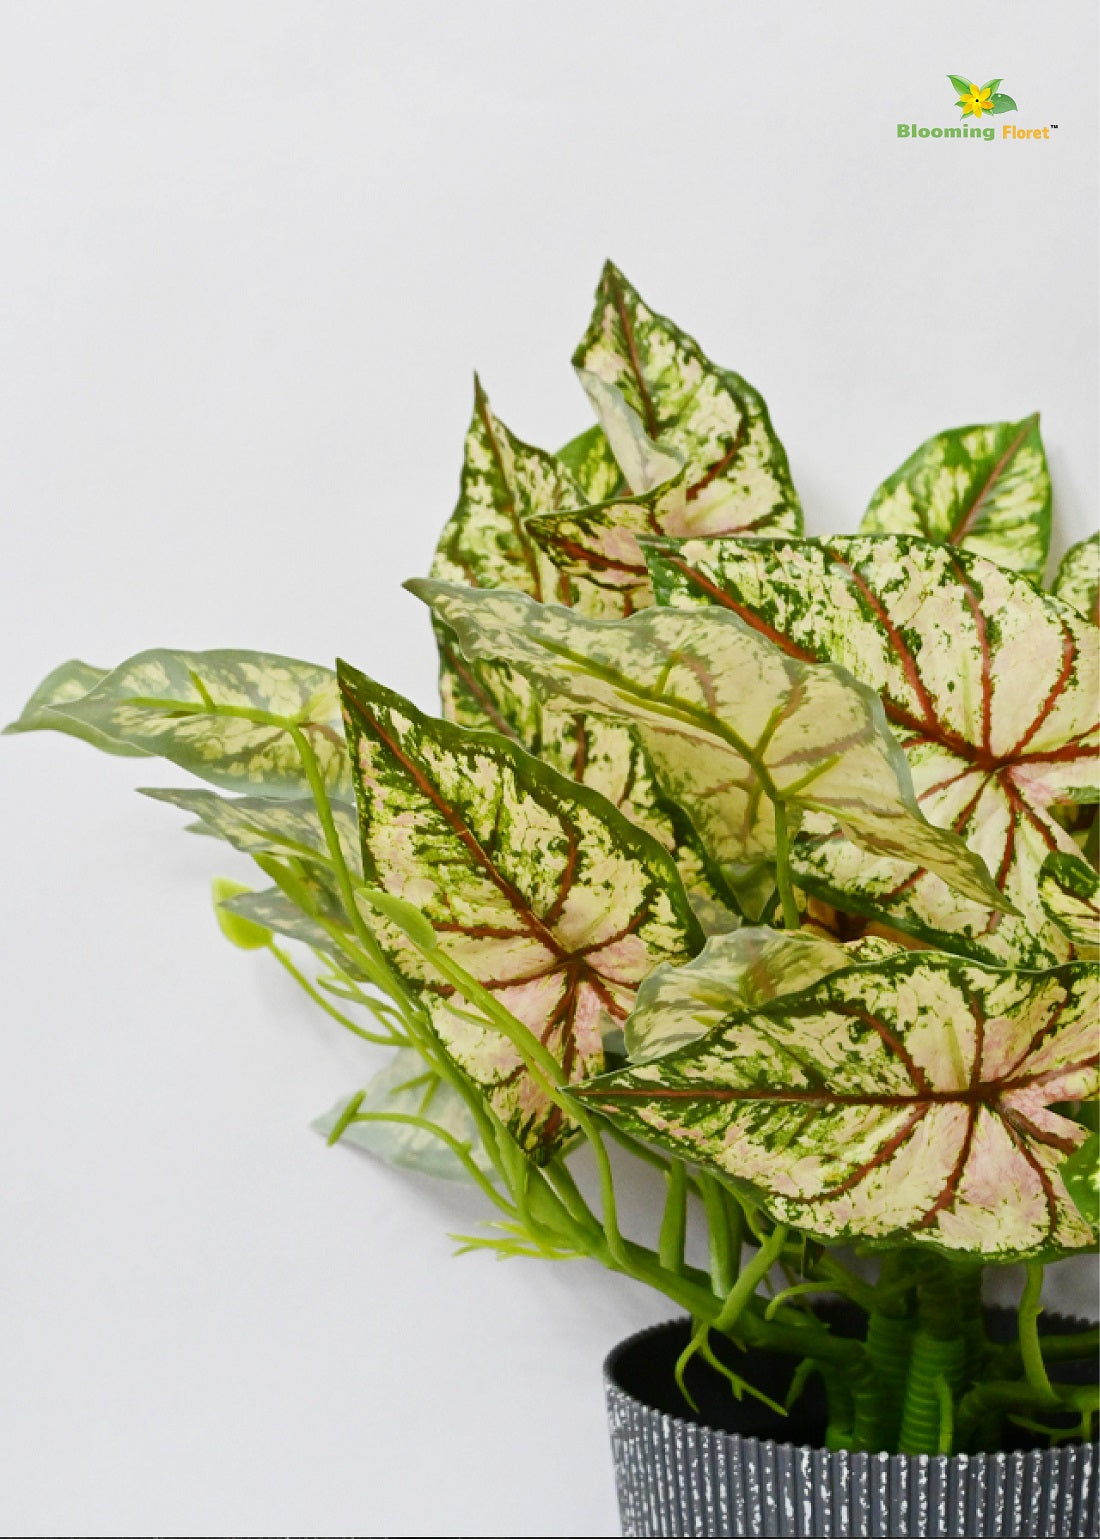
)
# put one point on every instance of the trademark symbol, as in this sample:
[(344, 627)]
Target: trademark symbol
[(1054, 125)]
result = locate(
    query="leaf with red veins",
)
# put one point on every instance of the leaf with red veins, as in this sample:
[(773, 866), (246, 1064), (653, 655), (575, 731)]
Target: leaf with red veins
[(709, 418), (910, 1099), (990, 687), (536, 886)]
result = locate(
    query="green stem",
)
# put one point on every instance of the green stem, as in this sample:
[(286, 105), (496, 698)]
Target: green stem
[(723, 1263), (670, 1247), (783, 868), (751, 1276), (1028, 1333), (329, 1009), (394, 985), (460, 1150)]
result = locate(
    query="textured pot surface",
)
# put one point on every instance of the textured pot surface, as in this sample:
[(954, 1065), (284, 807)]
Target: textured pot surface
[(675, 1475)]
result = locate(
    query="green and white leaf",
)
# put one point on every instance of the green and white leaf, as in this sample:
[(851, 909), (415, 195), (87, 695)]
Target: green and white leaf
[(1078, 579), (239, 931), (590, 462), (985, 489), (732, 725), (484, 544), (645, 464), (912, 1100), (71, 682), (1069, 890), (536, 886), (744, 970), (229, 717), (409, 1087), (251, 823), (1002, 102), (711, 418), (990, 686), (271, 909)]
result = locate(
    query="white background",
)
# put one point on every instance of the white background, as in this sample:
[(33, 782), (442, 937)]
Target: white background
[(251, 254)]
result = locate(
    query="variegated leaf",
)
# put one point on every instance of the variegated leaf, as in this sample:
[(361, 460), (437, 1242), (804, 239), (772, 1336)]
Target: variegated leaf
[(273, 910), (912, 1100), (733, 726), (228, 717), (591, 750), (504, 481), (252, 823), (991, 688), (590, 462), (1078, 579), (985, 489), (72, 681), (644, 463), (1069, 890), (740, 971), (535, 885), (409, 1087), (737, 469)]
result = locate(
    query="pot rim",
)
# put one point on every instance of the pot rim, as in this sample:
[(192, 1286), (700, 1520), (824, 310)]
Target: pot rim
[(612, 1385)]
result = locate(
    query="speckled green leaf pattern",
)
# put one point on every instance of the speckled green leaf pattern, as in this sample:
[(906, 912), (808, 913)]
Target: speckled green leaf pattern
[(910, 1100), (590, 462), (990, 687), (260, 823), (1069, 890), (275, 911), (228, 717), (484, 544), (597, 549), (408, 1087), (732, 725), (69, 683), (743, 970), (984, 488), (503, 482), (737, 469), (1078, 579), (536, 886)]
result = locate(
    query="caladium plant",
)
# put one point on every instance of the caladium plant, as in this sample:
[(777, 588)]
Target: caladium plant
[(768, 859)]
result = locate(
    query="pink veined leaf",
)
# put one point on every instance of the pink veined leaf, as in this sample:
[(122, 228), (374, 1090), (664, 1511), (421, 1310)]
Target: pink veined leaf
[(990, 686), (536, 886), (909, 1100)]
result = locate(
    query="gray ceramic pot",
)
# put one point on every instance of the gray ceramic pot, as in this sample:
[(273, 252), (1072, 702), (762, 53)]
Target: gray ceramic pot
[(676, 1475)]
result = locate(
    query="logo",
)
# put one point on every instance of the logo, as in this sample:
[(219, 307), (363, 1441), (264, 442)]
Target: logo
[(976, 103), (976, 100)]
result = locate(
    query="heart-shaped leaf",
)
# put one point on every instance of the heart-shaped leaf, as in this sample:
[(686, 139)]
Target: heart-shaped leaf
[(991, 688), (741, 971), (1078, 579), (1069, 890), (408, 1088), (536, 886), (69, 683), (911, 1100), (1002, 103), (735, 729), (237, 719), (710, 418), (986, 489)]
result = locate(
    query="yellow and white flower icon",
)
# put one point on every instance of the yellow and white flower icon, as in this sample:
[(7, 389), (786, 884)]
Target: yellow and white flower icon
[(976, 100)]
